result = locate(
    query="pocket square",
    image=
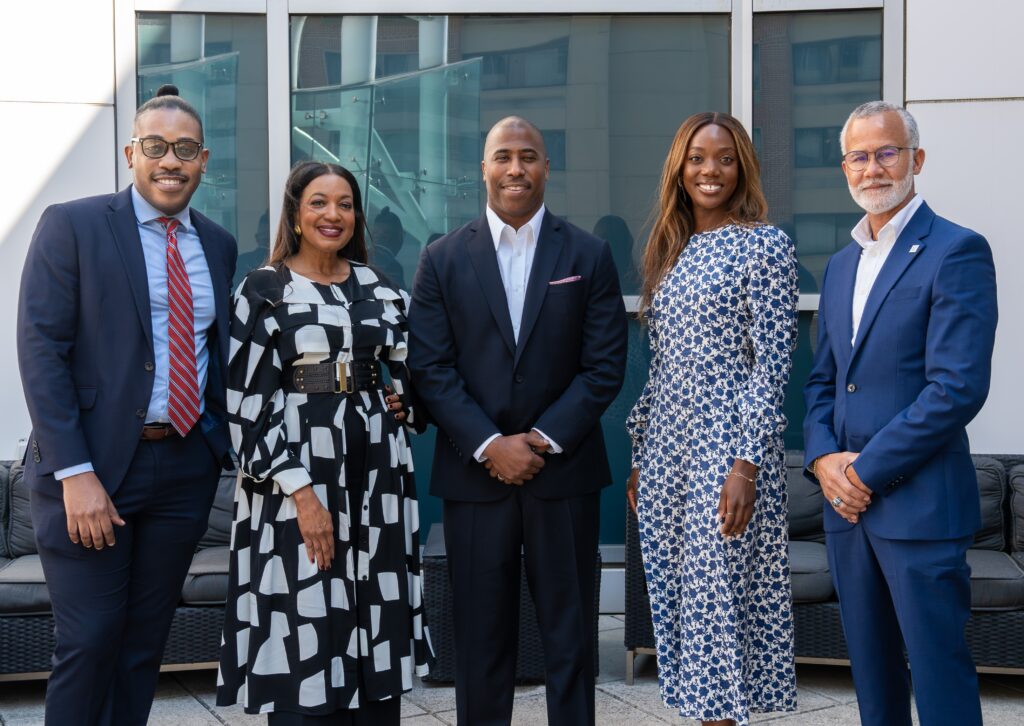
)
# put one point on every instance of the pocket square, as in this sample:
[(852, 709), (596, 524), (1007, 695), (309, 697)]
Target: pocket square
[(566, 280)]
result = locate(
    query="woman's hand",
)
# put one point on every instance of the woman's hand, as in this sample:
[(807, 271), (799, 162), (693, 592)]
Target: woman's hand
[(394, 402), (631, 488), (736, 502), (315, 526)]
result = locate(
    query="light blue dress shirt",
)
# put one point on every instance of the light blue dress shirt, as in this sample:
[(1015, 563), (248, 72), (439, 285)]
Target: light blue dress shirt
[(154, 248)]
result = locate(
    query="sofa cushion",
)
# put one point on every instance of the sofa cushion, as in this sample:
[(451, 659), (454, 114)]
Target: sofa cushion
[(805, 501), (997, 581), (21, 539), (991, 535), (22, 587), (1017, 508), (207, 579), (5, 504), (808, 564), (218, 529)]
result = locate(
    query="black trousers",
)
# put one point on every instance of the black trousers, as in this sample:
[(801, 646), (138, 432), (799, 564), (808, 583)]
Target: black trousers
[(485, 544), (371, 713), (113, 607)]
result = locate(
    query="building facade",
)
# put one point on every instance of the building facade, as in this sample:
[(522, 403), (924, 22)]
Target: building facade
[(404, 97)]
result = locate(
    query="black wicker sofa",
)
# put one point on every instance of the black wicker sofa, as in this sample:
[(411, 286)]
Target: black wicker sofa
[(26, 625), (995, 631)]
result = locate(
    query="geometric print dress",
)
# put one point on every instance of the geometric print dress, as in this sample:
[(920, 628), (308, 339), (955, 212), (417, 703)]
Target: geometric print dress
[(296, 638), (722, 327)]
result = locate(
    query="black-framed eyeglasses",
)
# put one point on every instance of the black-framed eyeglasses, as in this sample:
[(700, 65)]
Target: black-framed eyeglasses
[(886, 156), (155, 147)]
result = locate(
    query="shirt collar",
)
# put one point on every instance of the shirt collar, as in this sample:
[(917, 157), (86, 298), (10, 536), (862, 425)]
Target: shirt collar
[(888, 234), (497, 225), (146, 212)]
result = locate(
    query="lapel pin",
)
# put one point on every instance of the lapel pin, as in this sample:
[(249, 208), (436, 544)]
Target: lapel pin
[(914, 249)]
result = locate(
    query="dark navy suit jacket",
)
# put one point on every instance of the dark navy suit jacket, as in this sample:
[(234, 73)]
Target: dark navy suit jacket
[(475, 380), (85, 339), (902, 394)]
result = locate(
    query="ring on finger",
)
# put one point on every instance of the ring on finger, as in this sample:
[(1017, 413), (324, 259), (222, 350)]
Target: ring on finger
[(837, 502)]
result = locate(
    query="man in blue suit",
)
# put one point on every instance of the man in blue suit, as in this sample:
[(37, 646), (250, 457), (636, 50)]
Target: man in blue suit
[(906, 327), (517, 345), (122, 344)]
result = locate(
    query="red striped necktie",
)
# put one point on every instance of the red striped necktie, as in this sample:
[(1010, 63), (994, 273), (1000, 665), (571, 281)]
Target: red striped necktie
[(183, 381)]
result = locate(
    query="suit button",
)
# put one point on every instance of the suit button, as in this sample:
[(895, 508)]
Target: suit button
[(141, 413), (851, 388), (149, 365), (519, 378)]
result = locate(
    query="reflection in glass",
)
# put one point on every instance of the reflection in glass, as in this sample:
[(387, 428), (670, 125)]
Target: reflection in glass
[(406, 101), (813, 69), (218, 63)]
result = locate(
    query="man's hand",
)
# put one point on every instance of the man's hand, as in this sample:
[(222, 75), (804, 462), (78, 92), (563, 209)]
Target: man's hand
[(537, 442), (90, 513), (315, 526), (511, 460), (854, 497)]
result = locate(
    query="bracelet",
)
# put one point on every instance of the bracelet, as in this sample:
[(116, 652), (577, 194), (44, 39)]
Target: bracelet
[(741, 476)]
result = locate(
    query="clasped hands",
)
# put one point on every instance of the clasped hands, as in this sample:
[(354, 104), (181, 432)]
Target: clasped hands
[(516, 459), (843, 489)]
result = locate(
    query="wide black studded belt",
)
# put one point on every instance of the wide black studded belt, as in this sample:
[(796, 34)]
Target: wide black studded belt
[(356, 375)]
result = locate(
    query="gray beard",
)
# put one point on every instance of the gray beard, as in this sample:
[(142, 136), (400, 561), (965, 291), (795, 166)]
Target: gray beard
[(881, 202)]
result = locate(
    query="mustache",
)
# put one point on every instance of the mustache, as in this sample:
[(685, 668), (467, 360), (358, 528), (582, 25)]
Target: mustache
[(866, 184)]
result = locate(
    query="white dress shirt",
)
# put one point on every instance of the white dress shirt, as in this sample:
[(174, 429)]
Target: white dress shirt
[(874, 253), (515, 249)]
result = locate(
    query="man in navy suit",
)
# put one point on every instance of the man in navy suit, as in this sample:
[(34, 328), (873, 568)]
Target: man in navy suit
[(906, 327), (122, 344), (517, 346)]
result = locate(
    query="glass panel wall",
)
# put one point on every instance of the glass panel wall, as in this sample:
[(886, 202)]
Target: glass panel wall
[(218, 63), (811, 70), (407, 112)]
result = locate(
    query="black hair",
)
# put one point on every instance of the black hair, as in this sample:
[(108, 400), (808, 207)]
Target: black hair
[(287, 242), (167, 98)]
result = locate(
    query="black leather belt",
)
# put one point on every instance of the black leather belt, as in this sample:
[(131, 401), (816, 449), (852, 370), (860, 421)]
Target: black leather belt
[(356, 375)]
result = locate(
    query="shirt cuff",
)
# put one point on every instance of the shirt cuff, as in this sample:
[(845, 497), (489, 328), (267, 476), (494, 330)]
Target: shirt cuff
[(555, 448), (62, 474), (291, 480), (479, 453)]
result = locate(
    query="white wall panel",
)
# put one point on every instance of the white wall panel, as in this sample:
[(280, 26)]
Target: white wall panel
[(981, 192), (69, 154), (57, 51), (964, 50)]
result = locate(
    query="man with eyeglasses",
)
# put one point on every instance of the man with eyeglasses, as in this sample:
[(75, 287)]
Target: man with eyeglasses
[(122, 345), (906, 325)]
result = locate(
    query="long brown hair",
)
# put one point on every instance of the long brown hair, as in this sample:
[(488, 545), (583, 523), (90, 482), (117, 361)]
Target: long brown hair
[(286, 244), (672, 222)]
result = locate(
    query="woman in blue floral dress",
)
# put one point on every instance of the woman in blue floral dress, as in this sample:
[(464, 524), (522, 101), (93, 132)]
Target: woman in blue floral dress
[(708, 483)]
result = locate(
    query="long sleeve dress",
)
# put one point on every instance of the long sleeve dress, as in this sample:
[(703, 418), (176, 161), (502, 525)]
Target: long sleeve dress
[(296, 638), (722, 331)]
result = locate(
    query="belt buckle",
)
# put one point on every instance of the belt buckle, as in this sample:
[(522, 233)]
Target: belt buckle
[(344, 384)]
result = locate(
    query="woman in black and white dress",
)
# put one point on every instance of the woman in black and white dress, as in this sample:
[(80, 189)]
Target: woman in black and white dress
[(324, 621)]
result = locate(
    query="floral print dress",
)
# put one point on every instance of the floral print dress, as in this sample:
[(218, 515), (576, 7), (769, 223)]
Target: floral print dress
[(722, 332), (296, 638)]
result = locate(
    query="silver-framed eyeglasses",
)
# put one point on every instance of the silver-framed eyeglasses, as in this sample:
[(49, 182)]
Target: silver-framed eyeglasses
[(155, 147), (886, 156)]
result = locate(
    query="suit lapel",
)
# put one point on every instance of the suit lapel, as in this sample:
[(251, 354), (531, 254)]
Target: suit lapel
[(125, 229), (845, 276), (549, 247), (485, 263), (906, 249)]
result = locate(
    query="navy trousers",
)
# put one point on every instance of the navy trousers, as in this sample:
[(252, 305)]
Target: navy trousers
[(915, 593), (113, 607), (485, 544)]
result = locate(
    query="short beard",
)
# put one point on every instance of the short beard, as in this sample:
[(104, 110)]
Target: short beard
[(879, 202)]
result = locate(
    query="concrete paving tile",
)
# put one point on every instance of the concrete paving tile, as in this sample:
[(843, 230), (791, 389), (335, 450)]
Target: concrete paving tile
[(839, 715), (410, 709), (22, 702), (644, 696), (425, 720), (607, 622), (431, 698), (447, 717), (834, 682)]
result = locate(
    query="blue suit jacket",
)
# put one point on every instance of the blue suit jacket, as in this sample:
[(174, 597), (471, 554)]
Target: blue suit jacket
[(85, 339), (475, 380), (902, 394)]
